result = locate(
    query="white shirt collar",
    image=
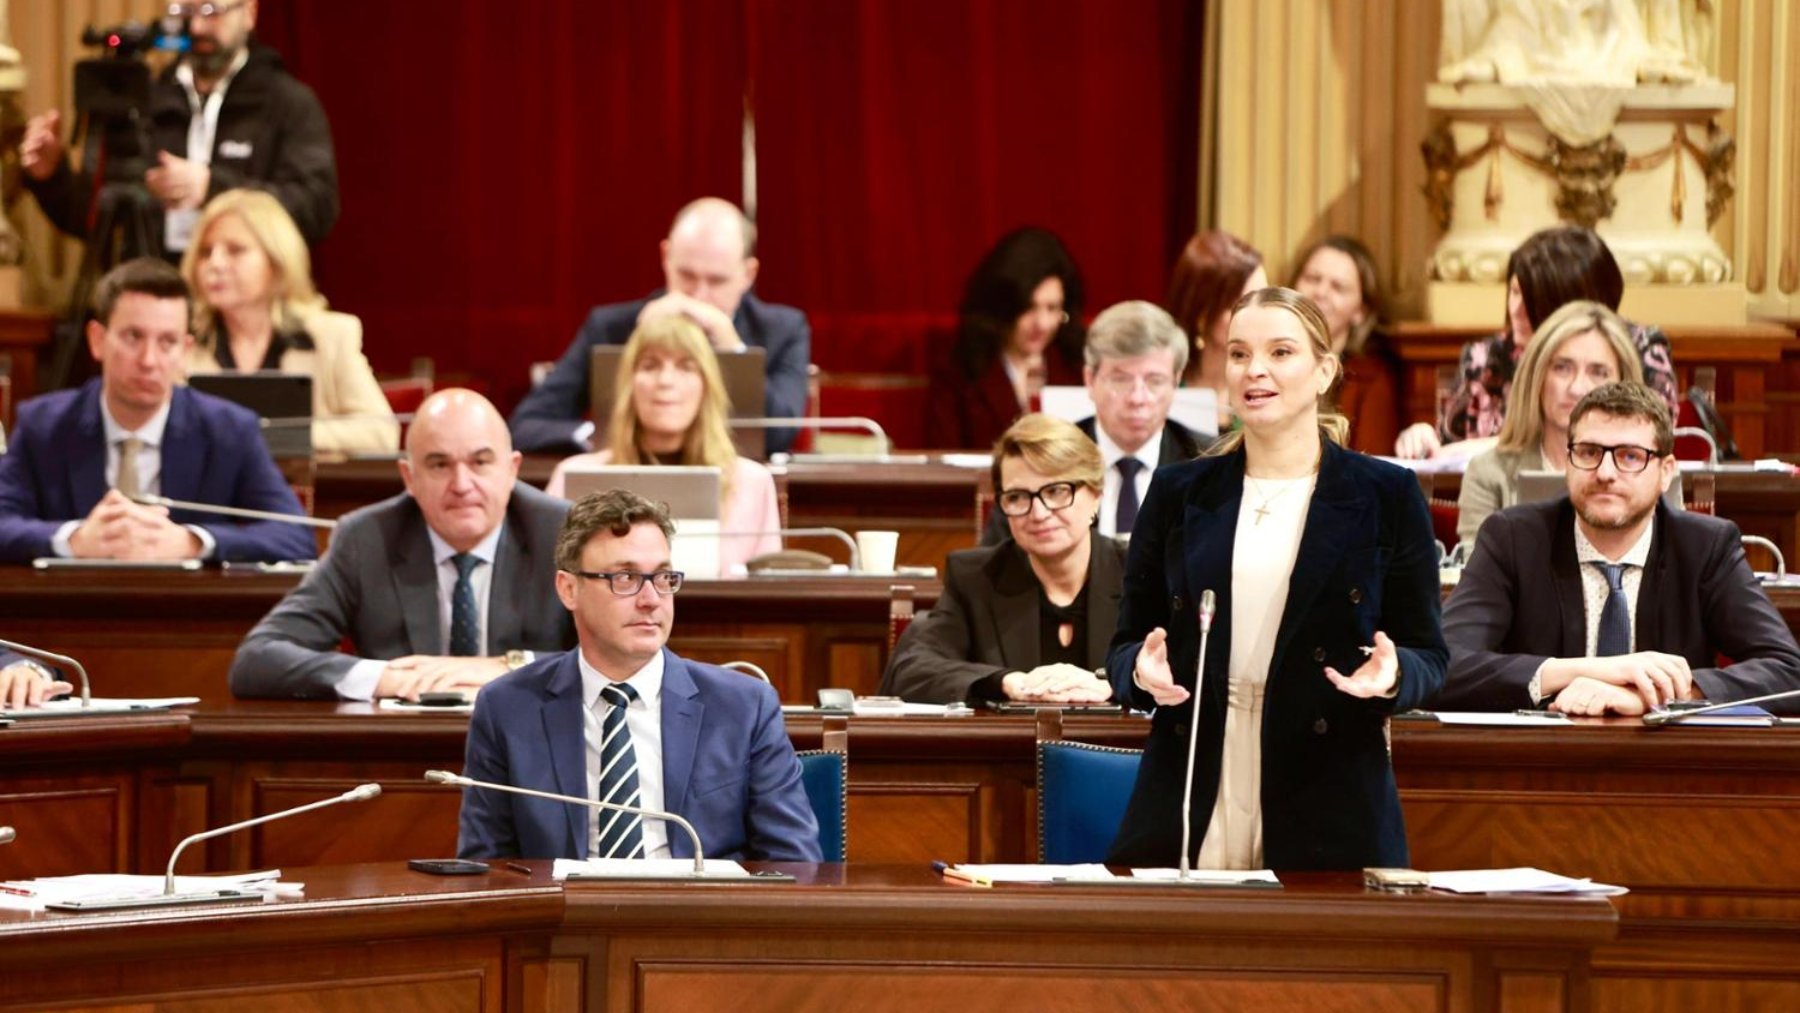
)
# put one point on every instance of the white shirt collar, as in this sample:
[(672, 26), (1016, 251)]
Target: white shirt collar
[(150, 433), (1150, 453), (647, 681), (1637, 555), (483, 550)]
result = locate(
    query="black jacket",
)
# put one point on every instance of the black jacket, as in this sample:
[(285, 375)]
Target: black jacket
[(272, 135), (1520, 602), (1365, 563)]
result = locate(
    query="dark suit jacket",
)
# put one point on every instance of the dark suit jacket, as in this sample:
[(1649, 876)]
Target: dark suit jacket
[(728, 767), (1179, 443), (1366, 562), (964, 413), (546, 420), (986, 622), (213, 452), (1520, 602), (378, 588)]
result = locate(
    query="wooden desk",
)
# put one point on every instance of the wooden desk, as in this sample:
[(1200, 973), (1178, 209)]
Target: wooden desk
[(24, 349), (380, 937), (174, 634), (931, 505), (1744, 355)]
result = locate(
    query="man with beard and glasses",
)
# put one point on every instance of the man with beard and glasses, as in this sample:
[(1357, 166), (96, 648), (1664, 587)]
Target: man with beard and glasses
[(226, 115), (1606, 601)]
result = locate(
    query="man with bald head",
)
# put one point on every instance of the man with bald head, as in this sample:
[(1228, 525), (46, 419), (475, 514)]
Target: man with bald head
[(709, 263), (439, 589)]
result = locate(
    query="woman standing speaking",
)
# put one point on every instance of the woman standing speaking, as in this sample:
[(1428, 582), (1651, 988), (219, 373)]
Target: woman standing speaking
[(1323, 564)]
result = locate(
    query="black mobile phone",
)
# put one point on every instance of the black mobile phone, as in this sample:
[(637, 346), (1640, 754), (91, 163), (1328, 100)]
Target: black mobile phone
[(448, 866), (442, 698)]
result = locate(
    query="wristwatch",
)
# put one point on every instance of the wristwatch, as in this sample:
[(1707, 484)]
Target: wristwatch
[(517, 659)]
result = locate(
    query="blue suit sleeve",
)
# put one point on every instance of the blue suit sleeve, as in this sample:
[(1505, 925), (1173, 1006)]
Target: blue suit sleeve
[(24, 533), (784, 395), (779, 823), (484, 827), (546, 420)]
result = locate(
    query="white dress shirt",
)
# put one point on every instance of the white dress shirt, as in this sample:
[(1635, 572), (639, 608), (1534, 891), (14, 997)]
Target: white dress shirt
[(359, 683), (149, 472), (1150, 454), (644, 720), (1595, 590)]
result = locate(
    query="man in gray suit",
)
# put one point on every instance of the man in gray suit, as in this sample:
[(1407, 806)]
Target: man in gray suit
[(442, 588)]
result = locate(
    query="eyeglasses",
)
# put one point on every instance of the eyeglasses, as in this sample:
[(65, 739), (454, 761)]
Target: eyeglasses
[(1628, 459), (1122, 384), (626, 583), (1055, 496), (205, 10)]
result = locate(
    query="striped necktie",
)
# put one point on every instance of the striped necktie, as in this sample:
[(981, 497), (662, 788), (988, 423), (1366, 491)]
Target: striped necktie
[(621, 834)]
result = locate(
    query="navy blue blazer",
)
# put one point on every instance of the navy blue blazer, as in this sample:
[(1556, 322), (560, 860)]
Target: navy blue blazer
[(1366, 562), (728, 767), (213, 452), (546, 420)]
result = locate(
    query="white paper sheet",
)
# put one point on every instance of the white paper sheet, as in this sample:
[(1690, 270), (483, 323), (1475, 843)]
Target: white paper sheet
[(96, 886), (645, 868), (1503, 720), (103, 705), (1519, 880), (1222, 877), (1016, 873)]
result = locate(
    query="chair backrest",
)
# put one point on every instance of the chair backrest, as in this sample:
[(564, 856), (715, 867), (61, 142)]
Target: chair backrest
[(825, 773), (900, 613), (1082, 792)]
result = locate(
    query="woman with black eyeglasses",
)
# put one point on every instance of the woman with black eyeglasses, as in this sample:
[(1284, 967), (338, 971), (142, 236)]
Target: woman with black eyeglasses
[(1029, 618)]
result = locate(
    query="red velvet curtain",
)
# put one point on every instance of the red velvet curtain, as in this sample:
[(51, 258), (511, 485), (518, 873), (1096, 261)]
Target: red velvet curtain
[(504, 166)]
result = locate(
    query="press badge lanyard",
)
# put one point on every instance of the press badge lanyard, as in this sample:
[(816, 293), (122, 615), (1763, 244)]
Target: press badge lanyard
[(203, 127)]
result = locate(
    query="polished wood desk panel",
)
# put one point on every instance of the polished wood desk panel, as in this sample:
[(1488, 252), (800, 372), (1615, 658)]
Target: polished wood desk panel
[(897, 938), (154, 633), (364, 938), (377, 937), (932, 505)]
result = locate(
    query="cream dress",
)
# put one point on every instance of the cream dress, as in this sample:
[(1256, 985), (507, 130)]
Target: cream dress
[(1262, 560)]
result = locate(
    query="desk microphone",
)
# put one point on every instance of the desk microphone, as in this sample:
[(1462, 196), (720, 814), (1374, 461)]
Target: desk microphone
[(1658, 719), (445, 777), (7, 834), (226, 511), (1209, 604), (838, 533), (59, 659), (169, 897)]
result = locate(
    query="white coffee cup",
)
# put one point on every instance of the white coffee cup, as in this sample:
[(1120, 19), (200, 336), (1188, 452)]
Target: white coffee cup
[(877, 550)]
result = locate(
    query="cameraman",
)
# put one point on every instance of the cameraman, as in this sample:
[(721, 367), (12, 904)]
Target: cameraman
[(226, 115)]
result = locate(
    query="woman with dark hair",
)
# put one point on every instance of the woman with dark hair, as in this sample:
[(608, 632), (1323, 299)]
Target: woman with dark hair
[(1338, 274), (1323, 564), (1020, 330), (1553, 267), (1214, 271)]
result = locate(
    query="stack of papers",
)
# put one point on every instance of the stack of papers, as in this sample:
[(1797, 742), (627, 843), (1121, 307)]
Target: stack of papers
[(644, 868), (1519, 719), (1002, 873), (1518, 881), (71, 706), (1212, 877), (33, 894)]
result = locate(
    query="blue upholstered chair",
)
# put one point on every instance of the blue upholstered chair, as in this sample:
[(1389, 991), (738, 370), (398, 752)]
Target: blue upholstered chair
[(826, 774), (1082, 791)]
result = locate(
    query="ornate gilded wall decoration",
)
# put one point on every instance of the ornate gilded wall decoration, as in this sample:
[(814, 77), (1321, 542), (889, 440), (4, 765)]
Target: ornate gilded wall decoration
[(1584, 179)]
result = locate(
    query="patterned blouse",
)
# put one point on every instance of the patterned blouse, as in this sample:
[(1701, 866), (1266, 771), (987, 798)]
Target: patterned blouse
[(1478, 406)]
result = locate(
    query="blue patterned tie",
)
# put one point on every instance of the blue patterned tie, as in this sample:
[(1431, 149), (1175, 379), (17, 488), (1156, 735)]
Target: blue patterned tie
[(621, 834), (1126, 516), (1615, 618), (465, 618)]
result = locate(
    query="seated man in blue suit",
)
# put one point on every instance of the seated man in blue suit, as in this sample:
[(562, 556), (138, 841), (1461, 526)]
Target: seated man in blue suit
[(623, 719), (709, 263), (78, 455)]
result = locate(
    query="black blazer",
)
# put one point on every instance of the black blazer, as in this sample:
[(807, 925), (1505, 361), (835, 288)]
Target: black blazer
[(1520, 602), (1179, 443), (1366, 562), (986, 621)]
